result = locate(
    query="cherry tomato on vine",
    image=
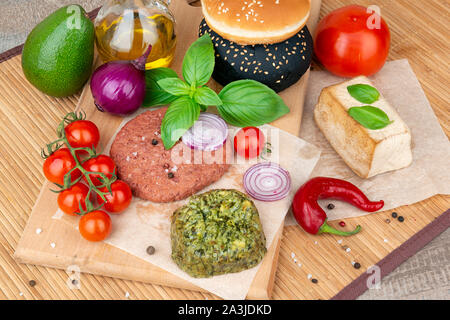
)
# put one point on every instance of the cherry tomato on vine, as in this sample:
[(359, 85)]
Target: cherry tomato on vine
[(120, 198), (101, 163), (58, 164), (249, 142), (70, 199), (82, 134), (95, 225), (352, 41)]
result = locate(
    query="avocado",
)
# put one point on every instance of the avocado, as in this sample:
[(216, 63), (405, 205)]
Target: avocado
[(58, 54)]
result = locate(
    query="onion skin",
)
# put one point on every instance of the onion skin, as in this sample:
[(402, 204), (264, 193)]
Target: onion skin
[(213, 121), (118, 87)]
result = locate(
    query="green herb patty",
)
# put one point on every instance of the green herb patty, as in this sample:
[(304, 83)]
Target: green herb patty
[(217, 232)]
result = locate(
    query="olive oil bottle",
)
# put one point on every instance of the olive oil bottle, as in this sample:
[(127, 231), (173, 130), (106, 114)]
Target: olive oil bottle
[(125, 28)]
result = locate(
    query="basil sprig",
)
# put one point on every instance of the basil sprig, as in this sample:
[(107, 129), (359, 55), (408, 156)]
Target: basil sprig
[(180, 116), (207, 97), (175, 86), (198, 63), (241, 103), (369, 117), (364, 93), (250, 103), (154, 94)]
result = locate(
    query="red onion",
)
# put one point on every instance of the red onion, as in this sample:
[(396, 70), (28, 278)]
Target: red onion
[(267, 182), (118, 87), (208, 133)]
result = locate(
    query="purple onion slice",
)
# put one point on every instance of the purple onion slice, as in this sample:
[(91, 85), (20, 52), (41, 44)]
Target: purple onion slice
[(267, 182), (208, 133)]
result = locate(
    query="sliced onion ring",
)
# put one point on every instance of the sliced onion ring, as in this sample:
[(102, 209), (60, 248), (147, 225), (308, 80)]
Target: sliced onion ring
[(267, 182), (208, 133)]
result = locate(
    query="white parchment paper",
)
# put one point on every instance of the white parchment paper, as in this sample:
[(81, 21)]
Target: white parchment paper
[(428, 175), (147, 223)]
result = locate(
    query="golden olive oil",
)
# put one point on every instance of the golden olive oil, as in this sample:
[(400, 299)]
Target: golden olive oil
[(127, 36)]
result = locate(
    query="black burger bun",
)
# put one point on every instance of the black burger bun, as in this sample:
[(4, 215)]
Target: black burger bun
[(277, 65), (256, 21)]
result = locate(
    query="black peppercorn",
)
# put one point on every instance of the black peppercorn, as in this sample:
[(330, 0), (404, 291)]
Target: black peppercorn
[(330, 206), (394, 215), (154, 142), (151, 250), (170, 175), (32, 283), (357, 265), (401, 219), (314, 280)]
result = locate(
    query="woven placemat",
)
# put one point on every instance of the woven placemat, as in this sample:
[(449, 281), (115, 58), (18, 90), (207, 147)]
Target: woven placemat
[(51, 283)]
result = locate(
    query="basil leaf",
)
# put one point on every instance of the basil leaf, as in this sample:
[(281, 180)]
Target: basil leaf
[(250, 103), (364, 93), (198, 63), (370, 117), (207, 96), (154, 94), (179, 117), (175, 86)]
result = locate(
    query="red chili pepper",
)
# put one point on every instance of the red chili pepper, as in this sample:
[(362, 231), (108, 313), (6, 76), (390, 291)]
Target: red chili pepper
[(311, 216)]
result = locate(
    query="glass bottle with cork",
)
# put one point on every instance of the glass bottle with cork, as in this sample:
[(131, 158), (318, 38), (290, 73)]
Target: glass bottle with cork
[(124, 29)]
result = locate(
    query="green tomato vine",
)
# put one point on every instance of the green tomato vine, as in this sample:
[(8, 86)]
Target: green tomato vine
[(50, 148)]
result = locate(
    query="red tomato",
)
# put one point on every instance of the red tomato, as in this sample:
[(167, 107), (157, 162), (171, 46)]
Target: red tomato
[(69, 199), (95, 226), (120, 198), (58, 164), (347, 47), (249, 142), (101, 163), (82, 134)]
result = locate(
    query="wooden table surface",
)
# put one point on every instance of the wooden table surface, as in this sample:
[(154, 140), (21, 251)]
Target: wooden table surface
[(419, 31)]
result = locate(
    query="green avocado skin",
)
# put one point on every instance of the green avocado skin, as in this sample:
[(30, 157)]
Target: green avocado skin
[(58, 54)]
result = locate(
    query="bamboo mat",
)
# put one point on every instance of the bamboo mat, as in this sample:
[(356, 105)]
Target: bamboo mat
[(28, 121)]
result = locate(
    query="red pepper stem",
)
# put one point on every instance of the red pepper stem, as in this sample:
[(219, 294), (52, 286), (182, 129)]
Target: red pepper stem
[(326, 228)]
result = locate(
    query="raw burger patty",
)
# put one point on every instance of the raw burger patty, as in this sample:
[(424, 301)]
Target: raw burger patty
[(146, 167)]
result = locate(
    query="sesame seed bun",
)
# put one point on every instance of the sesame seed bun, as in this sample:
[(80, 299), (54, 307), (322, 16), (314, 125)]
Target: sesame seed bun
[(249, 22), (278, 65)]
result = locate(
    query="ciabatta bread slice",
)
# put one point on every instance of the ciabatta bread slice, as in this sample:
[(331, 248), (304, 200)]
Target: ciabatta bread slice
[(367, 152)]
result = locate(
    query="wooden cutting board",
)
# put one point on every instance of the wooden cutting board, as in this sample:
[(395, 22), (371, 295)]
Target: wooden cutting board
[(60, 246)]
